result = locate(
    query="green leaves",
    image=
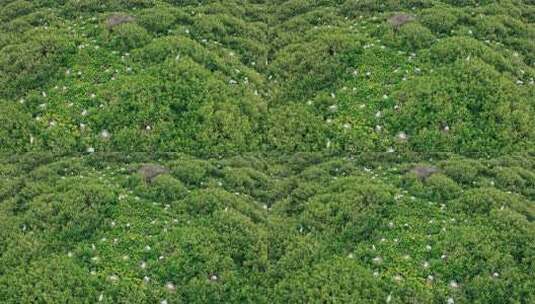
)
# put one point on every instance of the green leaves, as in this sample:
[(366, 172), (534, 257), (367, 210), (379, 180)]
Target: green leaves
[(133, 82), (265, 229), (128, 36), (212, 78), (32, 62)]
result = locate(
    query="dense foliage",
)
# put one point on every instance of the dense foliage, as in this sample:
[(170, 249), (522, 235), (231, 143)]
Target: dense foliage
[(210, 77), (306, 228), (238, 151)]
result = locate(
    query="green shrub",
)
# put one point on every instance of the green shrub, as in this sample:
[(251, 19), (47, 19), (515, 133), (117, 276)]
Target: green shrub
[(129, 36), (165, 188), (437, 187), (160, 49), (516, 179), (52, 279), (156, 20), (76, 6), (32, 63), (228, 247), (190, 171), (347, 210), (441, 188), (339, 230), (137, 3), (316, 283), (357, 7), (246, 180), (9, 188), (472, 99), (16, 9), (74, 211), (490, 28), (415, 36), (16, 133), (227, 127), (212, 201), (483, 200), (462, 171), (319, 60), (252, 83), (449, 50), (439, 20), (18, 26), (462, 2), (295, 128)]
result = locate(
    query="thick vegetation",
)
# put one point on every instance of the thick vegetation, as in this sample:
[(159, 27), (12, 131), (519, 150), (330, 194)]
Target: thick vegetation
[(302, 151), (207, 77), (305, 228)]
